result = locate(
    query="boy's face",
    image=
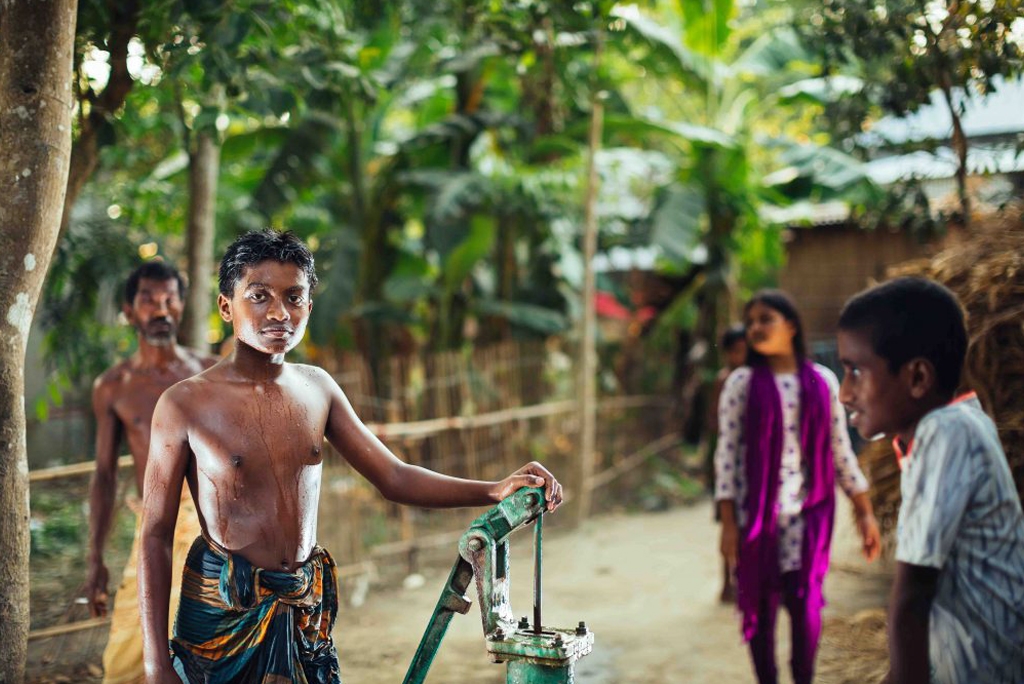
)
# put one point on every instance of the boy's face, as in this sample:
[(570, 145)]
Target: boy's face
[(736, 354), (156, 310), (269, 307), (880, 402)]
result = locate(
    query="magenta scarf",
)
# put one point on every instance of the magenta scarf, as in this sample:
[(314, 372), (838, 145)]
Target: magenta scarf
[(757, 571)]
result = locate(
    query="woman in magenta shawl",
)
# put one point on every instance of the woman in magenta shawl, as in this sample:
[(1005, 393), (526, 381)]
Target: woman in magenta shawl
[(782, 448)]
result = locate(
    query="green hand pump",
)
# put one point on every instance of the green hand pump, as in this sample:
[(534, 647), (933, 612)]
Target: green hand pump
[(534, 654)]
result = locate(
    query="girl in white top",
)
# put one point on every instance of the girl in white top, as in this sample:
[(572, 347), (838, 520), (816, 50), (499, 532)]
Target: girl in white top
[(782, 447)]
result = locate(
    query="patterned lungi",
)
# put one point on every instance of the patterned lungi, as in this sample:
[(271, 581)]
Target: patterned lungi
[(238, 624)]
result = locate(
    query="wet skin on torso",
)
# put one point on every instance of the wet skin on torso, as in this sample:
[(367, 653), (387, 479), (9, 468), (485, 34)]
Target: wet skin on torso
[(256, 458), (134, 391)]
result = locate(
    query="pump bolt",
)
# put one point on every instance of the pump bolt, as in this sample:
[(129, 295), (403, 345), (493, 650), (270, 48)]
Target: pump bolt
[(524, 622), (558, 641), (499, 634), (581, 629), (475, 544)]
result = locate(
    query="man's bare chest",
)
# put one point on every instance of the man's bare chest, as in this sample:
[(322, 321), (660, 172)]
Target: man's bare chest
[(135, 403), (272, 430)]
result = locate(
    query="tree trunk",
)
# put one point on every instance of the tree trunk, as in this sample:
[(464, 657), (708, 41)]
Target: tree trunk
[(587, 364), (204, 165), (372, 272), (85, 153), (712, 297), (960, 149), (36, 47), (943, 77)]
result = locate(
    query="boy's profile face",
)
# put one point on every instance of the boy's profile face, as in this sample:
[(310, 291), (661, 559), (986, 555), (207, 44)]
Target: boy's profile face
[(880, 402), (269, 307), (156, 310)]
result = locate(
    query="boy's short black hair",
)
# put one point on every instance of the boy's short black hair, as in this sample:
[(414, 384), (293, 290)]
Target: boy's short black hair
[(152, 270), (258, 246), (733, 334), (908, 318)]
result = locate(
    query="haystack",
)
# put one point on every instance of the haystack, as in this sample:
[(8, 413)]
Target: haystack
[(985, 268)]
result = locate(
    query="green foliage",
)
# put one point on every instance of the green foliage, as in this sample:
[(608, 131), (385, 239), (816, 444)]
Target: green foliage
[(537, 319), (889, 57), (678, 224), (461, 260), (81, 300), (433, 153), (666, 487), (904, 49), (58, 524)]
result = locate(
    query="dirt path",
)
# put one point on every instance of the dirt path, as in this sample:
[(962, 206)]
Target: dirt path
[(646, 584)]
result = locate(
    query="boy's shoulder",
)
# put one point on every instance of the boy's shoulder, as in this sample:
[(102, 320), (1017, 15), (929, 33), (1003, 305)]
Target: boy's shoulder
[(189, 389), (310, 372), (960, 425), (304, 377)]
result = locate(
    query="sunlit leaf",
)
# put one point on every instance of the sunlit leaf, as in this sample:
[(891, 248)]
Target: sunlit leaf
[(477, 245), (677, 224), (529, 316)]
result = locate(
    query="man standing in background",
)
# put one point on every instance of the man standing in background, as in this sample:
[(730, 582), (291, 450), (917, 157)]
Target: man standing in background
[(123, 400)]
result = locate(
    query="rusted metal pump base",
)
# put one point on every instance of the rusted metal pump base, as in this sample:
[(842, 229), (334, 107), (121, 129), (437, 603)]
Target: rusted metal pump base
[(534, 654)]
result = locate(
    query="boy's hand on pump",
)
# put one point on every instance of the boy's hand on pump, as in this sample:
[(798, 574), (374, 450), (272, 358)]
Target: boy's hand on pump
[(532, 474)]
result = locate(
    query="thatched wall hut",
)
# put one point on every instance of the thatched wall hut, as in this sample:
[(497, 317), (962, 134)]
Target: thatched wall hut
[(985, 269)]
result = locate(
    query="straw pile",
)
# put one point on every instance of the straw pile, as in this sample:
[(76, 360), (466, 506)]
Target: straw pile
[(986, 271), (854, 650)]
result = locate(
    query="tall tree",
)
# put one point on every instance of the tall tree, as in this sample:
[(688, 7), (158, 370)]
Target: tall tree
[(36, 47), (731, 88), (905, 49), (111, 24), (204, 167)]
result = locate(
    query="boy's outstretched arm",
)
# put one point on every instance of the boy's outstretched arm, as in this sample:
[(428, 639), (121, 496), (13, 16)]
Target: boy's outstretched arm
[(165, 471), (910, 606), (409, 484)]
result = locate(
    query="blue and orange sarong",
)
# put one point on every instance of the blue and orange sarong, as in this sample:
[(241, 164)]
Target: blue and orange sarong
[(238, 624)]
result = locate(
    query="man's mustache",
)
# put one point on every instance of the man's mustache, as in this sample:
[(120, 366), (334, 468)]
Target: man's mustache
[(160, 323)]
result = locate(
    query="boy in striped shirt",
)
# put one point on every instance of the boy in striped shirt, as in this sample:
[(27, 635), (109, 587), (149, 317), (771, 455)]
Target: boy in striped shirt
[(956, 613)]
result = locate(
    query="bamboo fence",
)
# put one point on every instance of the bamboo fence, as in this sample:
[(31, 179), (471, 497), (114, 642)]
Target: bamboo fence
[(478, 414)]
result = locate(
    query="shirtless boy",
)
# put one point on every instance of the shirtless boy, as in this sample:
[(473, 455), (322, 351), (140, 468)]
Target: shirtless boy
[(258, 595), (123, 400)]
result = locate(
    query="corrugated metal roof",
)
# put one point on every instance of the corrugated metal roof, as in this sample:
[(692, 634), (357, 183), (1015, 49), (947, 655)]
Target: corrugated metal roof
[(942, 163), (999, 113), (807, 213)]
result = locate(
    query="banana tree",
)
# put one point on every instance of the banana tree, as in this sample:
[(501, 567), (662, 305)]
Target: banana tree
[(412, 103), (720, 113)]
